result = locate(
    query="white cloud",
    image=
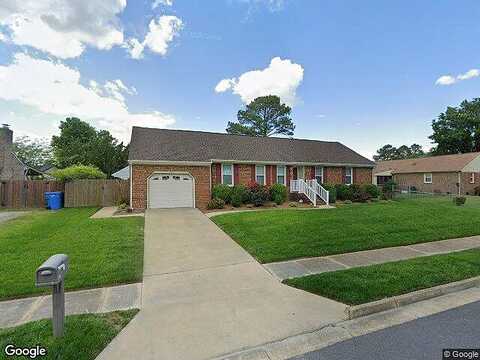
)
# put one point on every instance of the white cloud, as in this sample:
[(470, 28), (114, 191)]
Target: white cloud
[(157, 3), (469, 74), (281, 78), (225, 85), (63, 28), (449, 79), (272, 5), (161, 33), (55, 88)]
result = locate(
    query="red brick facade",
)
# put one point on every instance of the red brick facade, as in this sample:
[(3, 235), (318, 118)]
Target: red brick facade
[(205, 176), (141, 173)]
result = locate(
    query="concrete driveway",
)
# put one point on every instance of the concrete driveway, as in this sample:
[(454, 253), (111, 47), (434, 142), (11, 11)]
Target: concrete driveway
[(204, 296), (9, 215)]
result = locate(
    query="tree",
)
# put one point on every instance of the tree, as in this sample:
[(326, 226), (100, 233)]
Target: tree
[(81, 144), (389, 152), (264, 116), (33, 152), (457, 130)]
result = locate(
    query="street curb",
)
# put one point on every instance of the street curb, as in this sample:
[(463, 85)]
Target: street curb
[(348, 329), (356, 311)]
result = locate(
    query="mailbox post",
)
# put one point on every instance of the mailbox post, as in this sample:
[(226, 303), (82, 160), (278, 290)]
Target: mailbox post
[(52, 273)]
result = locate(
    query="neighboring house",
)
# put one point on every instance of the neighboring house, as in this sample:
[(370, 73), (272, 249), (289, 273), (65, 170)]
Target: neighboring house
[(177, 168), (11, 167), (123, 174), (449, 174)]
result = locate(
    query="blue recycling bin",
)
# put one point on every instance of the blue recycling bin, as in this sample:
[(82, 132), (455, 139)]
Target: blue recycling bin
[(54, 200)]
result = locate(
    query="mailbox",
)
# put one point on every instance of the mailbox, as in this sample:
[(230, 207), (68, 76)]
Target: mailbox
[(52, 272)]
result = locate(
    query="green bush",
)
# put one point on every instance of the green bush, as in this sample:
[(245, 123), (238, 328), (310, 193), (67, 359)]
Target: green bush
[(332, 193), (78, 172), (278, 193), (344, 192), (221, 191), (242, 191), (238, 195), (372, 190), (460, 200), (215, 203)]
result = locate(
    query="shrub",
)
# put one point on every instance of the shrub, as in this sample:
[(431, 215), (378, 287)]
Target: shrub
[(278, 193), (257, 194), (216, 203), (78, 172), (459, 200), (332, 193), (372, 190), (223, 192), (388, 189), (238, 195), (344, 192)]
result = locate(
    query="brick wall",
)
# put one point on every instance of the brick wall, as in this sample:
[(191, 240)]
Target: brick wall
[(467, 186), (141, 173), (333, 175), (362, 176), (443, 182)]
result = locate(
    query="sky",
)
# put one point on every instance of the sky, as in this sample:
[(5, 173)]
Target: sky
[(364, 73)]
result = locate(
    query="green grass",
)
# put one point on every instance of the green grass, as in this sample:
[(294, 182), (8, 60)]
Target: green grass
[(102, 251), (85, 335), (375, 282), (288, 234)]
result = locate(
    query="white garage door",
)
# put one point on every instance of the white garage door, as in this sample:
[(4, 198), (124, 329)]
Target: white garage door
[(170, 191)]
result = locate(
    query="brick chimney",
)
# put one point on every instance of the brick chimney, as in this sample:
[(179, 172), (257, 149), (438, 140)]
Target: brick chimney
[(6, 136)]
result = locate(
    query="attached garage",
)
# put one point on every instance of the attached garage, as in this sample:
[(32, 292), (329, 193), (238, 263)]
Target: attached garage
[(171, 190)]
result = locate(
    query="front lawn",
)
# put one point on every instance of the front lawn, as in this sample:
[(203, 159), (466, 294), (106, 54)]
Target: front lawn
[(288, 234), (365, 284), (85, 335), (102, 251)]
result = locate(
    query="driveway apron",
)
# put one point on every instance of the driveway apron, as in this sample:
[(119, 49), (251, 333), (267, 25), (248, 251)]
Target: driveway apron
[(204, 296)]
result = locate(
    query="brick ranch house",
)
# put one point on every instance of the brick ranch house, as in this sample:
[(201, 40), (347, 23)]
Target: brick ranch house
[(448, 174), (177, 168)]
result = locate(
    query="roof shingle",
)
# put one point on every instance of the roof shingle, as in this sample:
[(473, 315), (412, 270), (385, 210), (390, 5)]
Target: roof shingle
[(443, 163), (149, 144)]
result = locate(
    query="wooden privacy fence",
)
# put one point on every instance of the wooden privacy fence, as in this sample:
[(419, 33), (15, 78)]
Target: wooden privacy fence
[(26, 194), (79, 193)]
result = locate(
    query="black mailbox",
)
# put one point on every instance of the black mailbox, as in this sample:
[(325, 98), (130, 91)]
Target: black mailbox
[(52, 272)]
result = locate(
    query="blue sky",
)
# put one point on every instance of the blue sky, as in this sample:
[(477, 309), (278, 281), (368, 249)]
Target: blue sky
[(362, 73)]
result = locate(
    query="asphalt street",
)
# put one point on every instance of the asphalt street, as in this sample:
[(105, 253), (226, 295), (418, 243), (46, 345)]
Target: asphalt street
[(421, 339)]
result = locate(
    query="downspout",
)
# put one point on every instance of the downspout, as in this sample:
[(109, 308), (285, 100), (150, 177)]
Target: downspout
[(459, 184), (131, 187)]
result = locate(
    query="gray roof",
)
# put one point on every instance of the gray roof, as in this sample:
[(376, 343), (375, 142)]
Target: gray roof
[(192, 146)]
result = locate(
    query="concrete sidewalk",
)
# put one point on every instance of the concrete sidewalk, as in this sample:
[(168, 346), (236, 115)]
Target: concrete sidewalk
[(9, 215), (204, 296), (101, 300), (309, 266)]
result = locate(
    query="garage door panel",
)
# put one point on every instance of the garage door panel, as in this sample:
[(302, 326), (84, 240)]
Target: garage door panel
[(170, 191)]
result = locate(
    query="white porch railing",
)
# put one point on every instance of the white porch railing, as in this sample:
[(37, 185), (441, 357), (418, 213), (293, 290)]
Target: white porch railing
[(302, 187), (311, 189), (320, 190)]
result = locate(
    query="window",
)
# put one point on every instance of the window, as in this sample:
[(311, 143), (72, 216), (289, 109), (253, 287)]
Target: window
[(227, 174), (348, 176), (260, 174), (319, 174), (427, 178), (281, 174), (472, 178)]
